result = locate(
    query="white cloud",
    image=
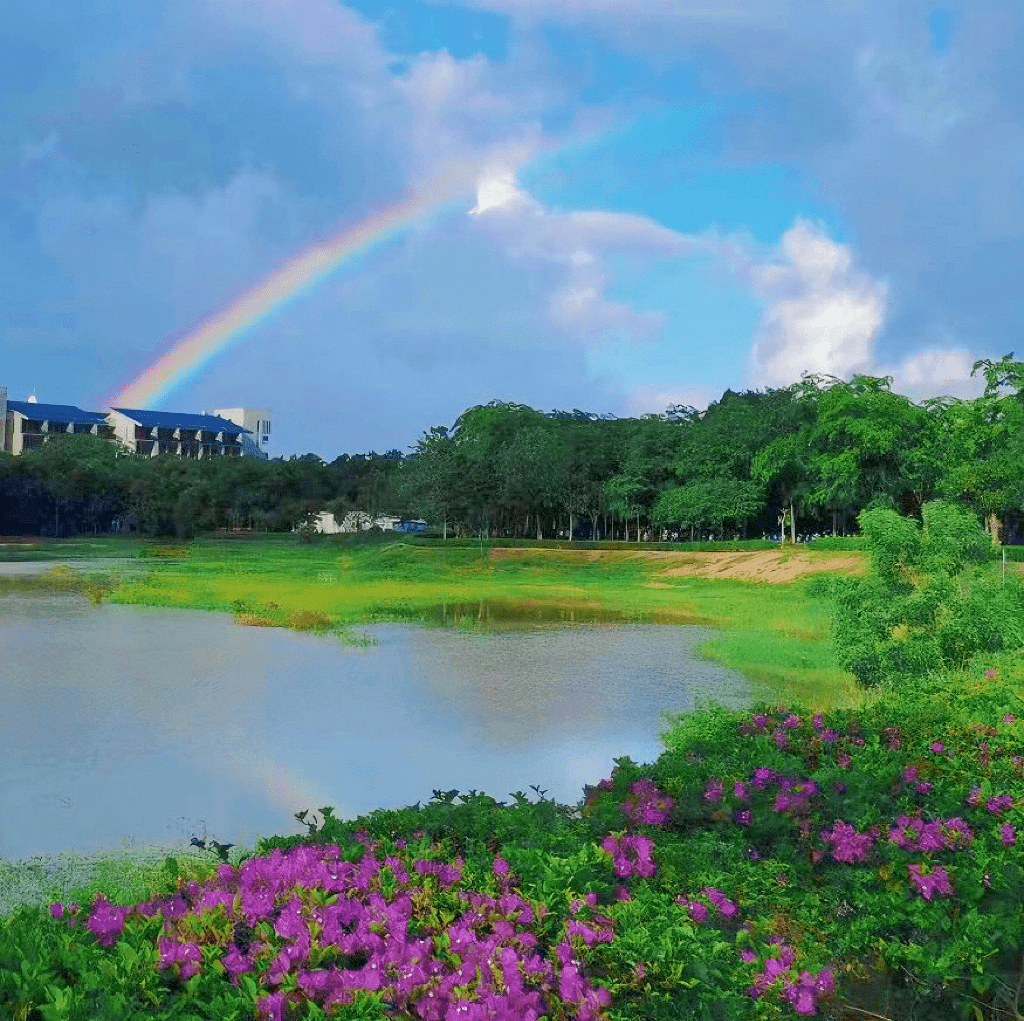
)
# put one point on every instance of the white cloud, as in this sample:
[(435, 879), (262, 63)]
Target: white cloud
[(824, 316), (934, 372), (498, 191), (821, 315), (653, 399), (568, 251)]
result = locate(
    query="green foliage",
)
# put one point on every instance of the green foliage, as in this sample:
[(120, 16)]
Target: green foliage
[(709, 502), (894, 542), (932, 601), (372, 536)]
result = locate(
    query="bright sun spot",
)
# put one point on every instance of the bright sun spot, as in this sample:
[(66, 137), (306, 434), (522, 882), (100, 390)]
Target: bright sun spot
[(495, 192)]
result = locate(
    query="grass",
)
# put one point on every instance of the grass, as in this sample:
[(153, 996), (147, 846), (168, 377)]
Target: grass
[(896, 954), (273, 580)]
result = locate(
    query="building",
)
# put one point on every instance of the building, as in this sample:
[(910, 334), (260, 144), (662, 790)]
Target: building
[(326, 524), (175, 432), (29, 424), (254, 421), (25, 425)]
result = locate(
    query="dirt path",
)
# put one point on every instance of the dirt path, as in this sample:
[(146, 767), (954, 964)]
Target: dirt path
[(759, 565)]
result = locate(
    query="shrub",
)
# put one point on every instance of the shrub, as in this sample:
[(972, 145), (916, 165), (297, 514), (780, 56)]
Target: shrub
[(309, 620), (931, 602)]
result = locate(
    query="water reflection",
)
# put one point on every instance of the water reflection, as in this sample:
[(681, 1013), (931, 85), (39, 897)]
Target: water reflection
[(513, 613), (119, 719)]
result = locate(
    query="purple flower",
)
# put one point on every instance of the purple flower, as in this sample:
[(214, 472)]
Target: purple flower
[(697, 910), (849, 845), (928, 884), (1008, 834), (713, 789)]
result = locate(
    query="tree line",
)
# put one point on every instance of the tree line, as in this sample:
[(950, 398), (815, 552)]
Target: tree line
[(808, 457)]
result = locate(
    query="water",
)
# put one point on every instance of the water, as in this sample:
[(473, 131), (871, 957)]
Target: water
[(132, 729)]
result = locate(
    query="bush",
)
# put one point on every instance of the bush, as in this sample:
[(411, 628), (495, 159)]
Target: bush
[(931, 603), (309, 620)]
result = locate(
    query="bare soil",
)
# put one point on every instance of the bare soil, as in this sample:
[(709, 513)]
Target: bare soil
[(759, 565)]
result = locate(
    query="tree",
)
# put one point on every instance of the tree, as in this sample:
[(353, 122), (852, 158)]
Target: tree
[(784, 467), (708, 502), (79, 472), (427, 479), (982, 446), (861, 440), (628, 494)]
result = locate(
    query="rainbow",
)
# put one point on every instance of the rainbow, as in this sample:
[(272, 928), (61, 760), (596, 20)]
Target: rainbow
[(184, 357)]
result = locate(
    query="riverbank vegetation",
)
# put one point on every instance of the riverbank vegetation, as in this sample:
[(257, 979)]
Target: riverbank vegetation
[(801, 460), (857, 861), (331, 584)]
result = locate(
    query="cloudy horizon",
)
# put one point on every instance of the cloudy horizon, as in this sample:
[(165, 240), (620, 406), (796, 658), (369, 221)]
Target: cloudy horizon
[(667, 200)]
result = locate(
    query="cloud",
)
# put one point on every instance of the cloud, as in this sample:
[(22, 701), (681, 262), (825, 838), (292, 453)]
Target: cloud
[(567, 253), (935, 372), (498, 191), (923, 96), (821, 315)]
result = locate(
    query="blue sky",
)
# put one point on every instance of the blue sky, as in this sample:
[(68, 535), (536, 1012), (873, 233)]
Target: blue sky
[(749, 191)]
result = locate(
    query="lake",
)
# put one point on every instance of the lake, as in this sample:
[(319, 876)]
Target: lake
[(135, 728)]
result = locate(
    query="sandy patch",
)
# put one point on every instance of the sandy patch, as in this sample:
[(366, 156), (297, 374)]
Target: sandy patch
[(763, 565), (760, 565)]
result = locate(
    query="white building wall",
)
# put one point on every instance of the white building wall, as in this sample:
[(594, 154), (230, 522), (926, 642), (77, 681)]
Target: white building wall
[(353, 522), (124, 428), (258, 420)]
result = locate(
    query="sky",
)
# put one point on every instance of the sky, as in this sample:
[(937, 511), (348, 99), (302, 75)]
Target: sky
[(611, 205)]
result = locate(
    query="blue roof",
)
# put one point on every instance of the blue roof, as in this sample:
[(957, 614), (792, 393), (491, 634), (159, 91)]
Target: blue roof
[(56, 412), (180, 420)]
